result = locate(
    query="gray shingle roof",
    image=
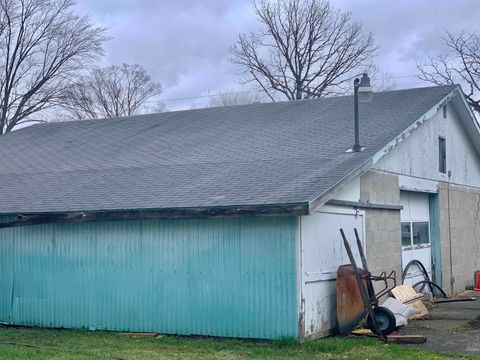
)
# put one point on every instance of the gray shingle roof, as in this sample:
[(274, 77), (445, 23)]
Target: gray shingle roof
[(273, 153)]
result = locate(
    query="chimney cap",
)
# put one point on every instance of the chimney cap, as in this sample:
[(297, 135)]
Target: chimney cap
[(365, 92)]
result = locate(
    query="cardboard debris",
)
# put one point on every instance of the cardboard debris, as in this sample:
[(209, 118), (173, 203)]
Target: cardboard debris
[(407, 295), (363, 332)]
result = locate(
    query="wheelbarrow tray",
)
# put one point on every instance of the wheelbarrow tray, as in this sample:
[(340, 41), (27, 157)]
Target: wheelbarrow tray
[(350, 307), (356, 296)]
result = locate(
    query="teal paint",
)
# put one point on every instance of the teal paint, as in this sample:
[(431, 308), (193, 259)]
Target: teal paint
[(435, 237), (219, 277)]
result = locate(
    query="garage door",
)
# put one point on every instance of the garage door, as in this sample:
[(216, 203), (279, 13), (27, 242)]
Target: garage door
[(415, 227)]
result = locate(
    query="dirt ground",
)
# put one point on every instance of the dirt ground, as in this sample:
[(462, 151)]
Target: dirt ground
[(453, 327)]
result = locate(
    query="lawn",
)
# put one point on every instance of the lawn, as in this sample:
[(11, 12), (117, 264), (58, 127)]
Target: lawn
[(24, 343)]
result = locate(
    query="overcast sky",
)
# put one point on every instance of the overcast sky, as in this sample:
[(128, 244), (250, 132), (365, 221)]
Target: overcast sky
[(184, 43)]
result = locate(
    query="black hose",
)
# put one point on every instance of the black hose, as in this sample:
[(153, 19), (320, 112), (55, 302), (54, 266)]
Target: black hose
[(431, 285), (424, 272), (455, 300)]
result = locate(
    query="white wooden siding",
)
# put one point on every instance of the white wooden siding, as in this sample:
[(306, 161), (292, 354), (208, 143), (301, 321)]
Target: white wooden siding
[(417, 155), (322, 253)]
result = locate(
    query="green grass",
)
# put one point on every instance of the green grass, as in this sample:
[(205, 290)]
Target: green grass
[(469, 325), (38, 344)]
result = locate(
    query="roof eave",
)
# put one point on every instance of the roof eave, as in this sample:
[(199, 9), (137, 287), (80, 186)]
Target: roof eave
[(321, 200), (288, 209)]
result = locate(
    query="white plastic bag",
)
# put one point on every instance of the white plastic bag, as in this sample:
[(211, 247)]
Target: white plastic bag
[(401, 311)]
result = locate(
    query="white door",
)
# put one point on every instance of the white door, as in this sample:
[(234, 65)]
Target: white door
[(415, 228), (322, 252)]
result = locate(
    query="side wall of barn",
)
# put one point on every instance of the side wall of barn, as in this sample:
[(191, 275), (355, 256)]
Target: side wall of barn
[(219, 277), (454, 194)]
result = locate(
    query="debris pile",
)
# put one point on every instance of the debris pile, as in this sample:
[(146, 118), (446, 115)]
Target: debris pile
[(358, 305), (408, 296)]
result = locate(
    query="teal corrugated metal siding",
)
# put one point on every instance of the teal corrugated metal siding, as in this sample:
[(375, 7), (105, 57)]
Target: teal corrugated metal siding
[(221, 277)]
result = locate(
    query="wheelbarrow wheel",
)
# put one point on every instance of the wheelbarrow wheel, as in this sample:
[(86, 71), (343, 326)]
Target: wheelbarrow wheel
[(385, 320)]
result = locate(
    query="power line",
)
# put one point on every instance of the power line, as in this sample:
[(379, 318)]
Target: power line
[(193, 97)]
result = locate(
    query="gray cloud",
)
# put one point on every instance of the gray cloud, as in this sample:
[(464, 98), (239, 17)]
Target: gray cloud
[(184, 43), (410, 31)]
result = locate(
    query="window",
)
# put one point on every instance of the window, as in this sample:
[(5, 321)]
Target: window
[(442, 155), (406, 234), (420, 233), (444, 111), (415, 233)]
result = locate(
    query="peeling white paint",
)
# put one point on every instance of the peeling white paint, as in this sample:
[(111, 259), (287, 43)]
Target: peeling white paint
[(410, 183), (412, 128), (417, 155), (322, 253)]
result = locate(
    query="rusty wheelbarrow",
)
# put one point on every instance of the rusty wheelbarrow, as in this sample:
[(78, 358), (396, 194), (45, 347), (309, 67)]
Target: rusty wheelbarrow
[(356, 297)]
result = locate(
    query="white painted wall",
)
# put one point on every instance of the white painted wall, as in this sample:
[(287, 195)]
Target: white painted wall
[(417, 155), (415, 160), (415, 206), (351, 192), (322, 252), (409, 183)]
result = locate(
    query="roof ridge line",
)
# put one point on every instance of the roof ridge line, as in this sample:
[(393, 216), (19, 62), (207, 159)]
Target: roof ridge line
[(131, 117)]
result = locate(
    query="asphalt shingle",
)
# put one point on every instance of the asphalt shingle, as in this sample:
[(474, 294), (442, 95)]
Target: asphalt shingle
[(275, 153)]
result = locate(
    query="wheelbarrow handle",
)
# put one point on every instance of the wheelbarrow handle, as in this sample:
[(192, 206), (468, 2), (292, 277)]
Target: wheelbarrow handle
[(361, 286), (360, 250)]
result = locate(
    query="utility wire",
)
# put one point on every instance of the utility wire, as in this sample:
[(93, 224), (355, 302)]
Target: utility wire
[(193, 97)]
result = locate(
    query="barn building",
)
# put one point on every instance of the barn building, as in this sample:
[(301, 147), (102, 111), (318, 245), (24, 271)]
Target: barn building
[(225, 221)]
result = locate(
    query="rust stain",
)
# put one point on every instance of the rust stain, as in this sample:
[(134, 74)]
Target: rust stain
[(350, 307)]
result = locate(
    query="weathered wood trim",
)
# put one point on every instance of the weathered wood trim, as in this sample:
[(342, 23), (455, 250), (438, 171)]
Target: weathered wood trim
[(318, 335), (171, 213), (329, 194)]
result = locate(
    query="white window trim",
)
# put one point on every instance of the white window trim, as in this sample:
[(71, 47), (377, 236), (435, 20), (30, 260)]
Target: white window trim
[(421, 246)]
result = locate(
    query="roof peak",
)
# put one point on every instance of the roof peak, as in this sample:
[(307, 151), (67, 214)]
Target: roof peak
[(140, 116)]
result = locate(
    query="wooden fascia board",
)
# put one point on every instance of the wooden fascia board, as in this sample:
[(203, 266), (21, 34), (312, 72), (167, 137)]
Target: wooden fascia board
[(26, 219)]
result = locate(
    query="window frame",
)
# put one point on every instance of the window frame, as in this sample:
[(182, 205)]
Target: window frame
[(413, 246)]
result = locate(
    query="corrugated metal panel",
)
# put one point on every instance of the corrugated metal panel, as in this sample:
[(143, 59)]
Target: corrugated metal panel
[(221, 277)]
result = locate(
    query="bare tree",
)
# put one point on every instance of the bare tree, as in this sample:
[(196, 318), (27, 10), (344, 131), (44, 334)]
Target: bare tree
[(461, 65), (43, 44), (159, 107), (235, 98), (381, 81), (112, 91), (305, 48)]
